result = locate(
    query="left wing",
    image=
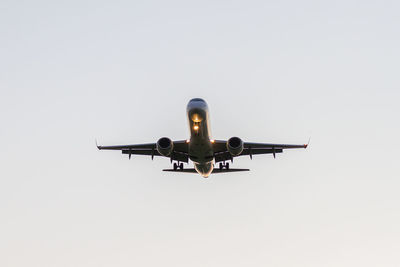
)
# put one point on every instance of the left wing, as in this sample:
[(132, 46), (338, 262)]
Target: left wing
[(221, 152), (179, 153)]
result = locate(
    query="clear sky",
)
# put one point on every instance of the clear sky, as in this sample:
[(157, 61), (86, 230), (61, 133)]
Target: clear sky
[(271, 71)]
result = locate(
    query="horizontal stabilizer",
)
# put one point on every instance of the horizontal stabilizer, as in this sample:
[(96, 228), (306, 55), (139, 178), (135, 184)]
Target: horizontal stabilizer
[(214, 171), (229, 170)]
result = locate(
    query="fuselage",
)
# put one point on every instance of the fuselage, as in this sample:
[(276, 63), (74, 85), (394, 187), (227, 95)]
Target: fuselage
[(200, 146)]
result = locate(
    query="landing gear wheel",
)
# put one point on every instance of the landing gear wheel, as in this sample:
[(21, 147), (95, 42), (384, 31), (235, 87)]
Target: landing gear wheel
[(181, 166), (175, 166), (227, 166), (221, 166)]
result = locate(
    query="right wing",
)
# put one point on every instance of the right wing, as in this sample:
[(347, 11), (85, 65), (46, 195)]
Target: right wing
[(180, 152)]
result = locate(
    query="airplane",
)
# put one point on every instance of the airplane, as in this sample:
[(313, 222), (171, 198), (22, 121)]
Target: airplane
[(203, 151)]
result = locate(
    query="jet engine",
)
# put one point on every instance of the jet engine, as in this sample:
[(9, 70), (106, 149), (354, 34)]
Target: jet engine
[(235, 146), (165, 146)]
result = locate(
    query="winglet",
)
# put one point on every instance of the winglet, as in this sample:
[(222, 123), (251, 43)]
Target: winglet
[(98, 147), (306, 145)]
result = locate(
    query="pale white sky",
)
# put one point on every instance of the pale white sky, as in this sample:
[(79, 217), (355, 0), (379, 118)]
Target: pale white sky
[(271, 71)]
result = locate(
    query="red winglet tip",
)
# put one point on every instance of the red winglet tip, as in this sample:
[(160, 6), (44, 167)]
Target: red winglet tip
[(306, 145)]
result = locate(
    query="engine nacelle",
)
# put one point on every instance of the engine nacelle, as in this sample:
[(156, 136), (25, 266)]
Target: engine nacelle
[(165, 146), (235, 146)]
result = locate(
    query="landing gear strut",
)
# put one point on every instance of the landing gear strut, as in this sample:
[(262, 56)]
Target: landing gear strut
[(224, 165), (178, 165)]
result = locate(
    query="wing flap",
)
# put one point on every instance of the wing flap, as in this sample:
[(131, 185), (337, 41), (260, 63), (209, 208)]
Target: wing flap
[(126, 147), (179, 153), (148, 152), (269, 145), (257, 151), (180, 146), (179, 156), (221, 152)]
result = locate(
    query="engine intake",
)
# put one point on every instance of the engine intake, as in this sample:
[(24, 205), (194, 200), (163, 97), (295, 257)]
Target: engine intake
[(235, 146), (165, 146)]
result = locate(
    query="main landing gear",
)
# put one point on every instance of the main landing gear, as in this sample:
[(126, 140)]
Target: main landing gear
[(224, 165), (178, 165)]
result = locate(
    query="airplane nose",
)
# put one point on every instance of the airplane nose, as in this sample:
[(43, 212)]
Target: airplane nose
[(197, 103), (197, 109)]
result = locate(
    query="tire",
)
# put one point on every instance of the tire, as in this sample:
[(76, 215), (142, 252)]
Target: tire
[(175, 166), (221, 166), (227, 165), (181, 166)]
